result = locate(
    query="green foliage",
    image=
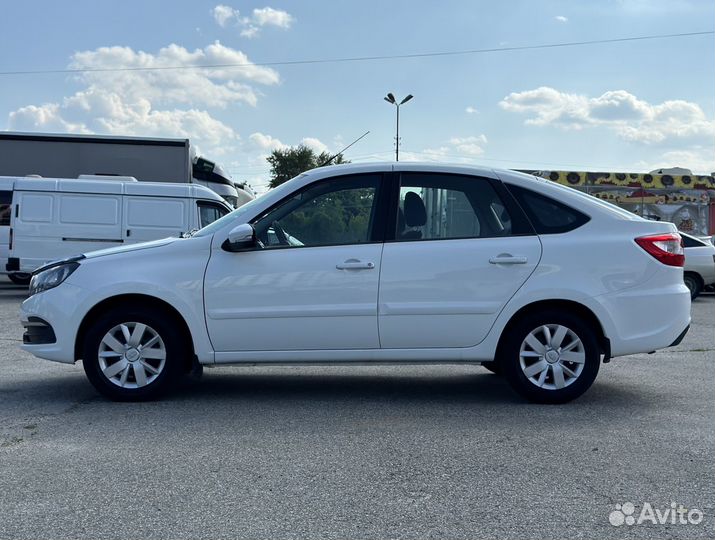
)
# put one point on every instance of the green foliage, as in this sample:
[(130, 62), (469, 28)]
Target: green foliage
[(334, 218), (287, 163)]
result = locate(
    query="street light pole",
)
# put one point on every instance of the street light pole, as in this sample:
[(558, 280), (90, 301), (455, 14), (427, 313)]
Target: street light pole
[(390, 98)]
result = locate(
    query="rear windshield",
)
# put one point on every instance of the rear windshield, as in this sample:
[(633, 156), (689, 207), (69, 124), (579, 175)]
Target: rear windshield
[(689, 241)]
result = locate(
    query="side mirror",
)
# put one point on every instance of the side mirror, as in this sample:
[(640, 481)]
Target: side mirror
[(242, 237)]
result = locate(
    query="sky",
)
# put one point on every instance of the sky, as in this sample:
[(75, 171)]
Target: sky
[(626, 106)]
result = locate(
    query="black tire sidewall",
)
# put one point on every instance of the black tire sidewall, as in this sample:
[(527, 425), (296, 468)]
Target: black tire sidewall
[(695, 290), (176, 354), (509, 358)]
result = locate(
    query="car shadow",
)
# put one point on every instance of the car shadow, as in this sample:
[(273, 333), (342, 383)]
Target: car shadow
[(477, 387), (326, 386)]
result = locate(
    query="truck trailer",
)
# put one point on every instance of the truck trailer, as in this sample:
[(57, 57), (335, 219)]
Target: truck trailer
[(146, 159)]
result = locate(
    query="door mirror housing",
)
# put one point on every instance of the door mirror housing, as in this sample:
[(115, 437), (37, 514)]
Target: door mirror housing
[(241, 238)]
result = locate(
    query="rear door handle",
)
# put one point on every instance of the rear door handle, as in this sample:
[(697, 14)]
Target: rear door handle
[(355, 264), (508, 259)]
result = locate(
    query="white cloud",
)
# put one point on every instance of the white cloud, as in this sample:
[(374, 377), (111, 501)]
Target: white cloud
[(268, 16), (215, 87), (251, 26), (561, 19), (250, 31), (471, 110), (315, 144), (472, 146), (223, 14), (149, 102), (631, 118), (699, 159), (265, 142)]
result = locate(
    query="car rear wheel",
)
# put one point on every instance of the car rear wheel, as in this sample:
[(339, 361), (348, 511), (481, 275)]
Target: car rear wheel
[(133, 355), (550, 357), (694, 285)]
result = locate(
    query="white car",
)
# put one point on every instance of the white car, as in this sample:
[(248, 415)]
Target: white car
[(699, 264), (372, 264)]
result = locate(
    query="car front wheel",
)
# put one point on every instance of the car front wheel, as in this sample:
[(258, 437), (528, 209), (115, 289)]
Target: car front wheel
[(133, 355), (550, 357)]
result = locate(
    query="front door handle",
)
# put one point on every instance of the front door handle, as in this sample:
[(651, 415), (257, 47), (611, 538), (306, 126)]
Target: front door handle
[(505, 258), (355, 264)]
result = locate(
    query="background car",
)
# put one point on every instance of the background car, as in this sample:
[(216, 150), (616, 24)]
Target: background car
[(699, 271)]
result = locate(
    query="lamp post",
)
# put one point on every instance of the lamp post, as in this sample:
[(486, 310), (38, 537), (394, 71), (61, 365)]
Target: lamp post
[(390, 98)]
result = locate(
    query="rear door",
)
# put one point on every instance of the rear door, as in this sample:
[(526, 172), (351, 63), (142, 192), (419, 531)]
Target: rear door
[(460, 250)]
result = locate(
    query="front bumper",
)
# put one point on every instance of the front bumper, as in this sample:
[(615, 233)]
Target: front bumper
[(38, 332), (58, 309)]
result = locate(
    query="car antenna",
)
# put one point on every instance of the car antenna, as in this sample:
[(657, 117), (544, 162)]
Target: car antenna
[(343, 150)]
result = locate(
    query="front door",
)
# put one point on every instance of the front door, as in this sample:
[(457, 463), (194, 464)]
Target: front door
[(460, 252), (313, 282)]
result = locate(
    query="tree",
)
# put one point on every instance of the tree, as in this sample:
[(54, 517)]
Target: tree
[(287, 163)]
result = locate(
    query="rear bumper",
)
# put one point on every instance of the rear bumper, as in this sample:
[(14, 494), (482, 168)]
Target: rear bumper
[(646, 320), (680, 337)]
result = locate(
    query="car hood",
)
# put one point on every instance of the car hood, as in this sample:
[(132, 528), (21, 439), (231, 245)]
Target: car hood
[(130, 247)]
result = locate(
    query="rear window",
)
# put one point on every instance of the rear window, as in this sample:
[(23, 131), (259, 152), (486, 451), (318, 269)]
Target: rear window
[(547, 215), (5, 208), (689, 241)]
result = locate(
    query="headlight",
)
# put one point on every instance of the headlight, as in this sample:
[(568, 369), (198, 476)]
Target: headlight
[(50, 278)]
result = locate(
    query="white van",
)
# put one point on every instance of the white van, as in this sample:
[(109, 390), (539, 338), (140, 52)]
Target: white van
[(46, 219)]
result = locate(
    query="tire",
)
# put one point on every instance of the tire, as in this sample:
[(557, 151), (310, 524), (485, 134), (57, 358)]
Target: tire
[(160, 357), (694, 284), (20, 279), (493, 366), (521, 361)]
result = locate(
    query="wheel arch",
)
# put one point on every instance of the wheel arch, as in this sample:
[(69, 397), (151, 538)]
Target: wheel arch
[(570, 306), (144, 300)]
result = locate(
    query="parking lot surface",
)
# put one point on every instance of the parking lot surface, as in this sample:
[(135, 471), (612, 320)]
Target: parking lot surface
[(356, 452)]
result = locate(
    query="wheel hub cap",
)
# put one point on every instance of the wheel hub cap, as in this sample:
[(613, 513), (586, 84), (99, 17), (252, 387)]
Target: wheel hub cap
[(552, 356), (132, 355)]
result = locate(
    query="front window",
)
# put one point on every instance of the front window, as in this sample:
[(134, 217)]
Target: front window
[(210, 212), (339, 211)]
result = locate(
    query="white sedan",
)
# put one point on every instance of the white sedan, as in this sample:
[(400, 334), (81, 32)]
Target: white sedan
[(373, 264)]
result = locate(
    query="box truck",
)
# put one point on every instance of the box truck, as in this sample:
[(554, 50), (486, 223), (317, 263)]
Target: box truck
[(146, 159)]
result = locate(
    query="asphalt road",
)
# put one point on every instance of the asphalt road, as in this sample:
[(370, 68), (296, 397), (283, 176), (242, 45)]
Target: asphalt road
[(379, 452)]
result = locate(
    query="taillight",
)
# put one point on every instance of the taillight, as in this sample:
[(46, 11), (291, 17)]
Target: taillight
[(667, 248)]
